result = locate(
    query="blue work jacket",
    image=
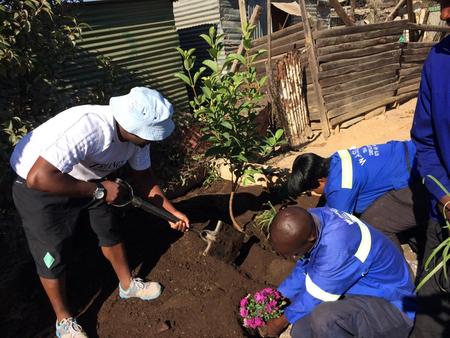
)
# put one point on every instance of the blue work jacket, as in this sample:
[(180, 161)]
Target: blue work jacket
[(349, 258), (357, 177), (431, 126)]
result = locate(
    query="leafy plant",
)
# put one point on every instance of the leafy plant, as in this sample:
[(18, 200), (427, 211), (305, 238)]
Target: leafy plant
[(227, 104), (442, 251), (264, 219)]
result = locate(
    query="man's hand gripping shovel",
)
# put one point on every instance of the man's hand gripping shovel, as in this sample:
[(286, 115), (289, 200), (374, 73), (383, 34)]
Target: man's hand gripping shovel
[(209, 236)]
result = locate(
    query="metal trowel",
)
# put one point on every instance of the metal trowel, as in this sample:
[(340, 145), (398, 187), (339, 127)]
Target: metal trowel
[(209, 236)]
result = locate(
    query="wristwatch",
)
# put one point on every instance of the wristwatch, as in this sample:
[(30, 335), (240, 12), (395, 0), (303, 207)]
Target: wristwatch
[(99, 192)]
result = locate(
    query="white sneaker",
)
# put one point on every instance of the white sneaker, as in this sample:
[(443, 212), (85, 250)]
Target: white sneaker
[(69, 328), (140, 289)]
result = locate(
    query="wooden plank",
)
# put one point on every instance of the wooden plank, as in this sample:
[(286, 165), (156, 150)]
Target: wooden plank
[(404, 78), (394, 12), (281, 50), (431, 28), (389, 88), (351, 122), (418, 51), (351, 92), (314, 69), (395, 54), (292, 38), (341, 12), (373, 104), (413, 58), (408, 71), (338, 31), (408, 82), (279, 34), (332, 81), (337, 40), (406, 96), (411, 45), (358, 67), (409, 88), (357, 53), (407, 65), (356, 83), (357, 45)]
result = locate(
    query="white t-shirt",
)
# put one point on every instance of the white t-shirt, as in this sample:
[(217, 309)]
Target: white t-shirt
[(82, 142)]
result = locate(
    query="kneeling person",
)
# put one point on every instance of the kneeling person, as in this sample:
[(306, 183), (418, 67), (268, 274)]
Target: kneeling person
[(350, 282), (378, 182)]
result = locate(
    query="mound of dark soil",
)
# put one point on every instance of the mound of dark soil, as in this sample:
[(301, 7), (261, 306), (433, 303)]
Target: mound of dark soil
[(201, 294)]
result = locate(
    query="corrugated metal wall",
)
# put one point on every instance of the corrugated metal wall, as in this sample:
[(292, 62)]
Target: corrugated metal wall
[(139, 37), (230, 22), (192, 13)]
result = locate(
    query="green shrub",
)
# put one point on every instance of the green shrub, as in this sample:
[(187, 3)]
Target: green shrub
[(227, 108)]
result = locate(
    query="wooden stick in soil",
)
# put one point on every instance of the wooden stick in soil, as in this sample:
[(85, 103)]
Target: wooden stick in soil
[(341, 12), (314, 70), (394, 12), (234, 188), (253, 20)]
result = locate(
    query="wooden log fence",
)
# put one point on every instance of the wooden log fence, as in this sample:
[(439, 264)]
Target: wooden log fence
[(360, 69)]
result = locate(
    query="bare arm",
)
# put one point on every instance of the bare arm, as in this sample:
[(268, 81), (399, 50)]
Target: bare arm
[(145, 186), (43, 176)]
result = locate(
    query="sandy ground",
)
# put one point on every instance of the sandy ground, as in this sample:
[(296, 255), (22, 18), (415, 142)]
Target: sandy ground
[(394, 124)]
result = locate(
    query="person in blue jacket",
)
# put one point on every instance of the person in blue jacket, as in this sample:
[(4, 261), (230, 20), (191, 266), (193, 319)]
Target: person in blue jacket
[(377, 182), (431, 135), (350, 281)]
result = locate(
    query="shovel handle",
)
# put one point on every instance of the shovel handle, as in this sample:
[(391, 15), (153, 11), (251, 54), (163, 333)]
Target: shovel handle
[(154, 210)]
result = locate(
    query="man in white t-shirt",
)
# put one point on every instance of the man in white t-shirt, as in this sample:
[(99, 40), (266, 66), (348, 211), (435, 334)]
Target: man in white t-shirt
[(62, 168)]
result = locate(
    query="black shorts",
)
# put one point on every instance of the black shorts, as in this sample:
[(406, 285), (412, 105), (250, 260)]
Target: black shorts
[(49, 222)]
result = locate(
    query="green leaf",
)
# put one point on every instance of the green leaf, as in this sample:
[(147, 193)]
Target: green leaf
[(239, 57), (198, 74), (211, 65), (190, 51), (188, 64), (181, 51), (279, 133), (207, 39), (183, 78), (227, 125)]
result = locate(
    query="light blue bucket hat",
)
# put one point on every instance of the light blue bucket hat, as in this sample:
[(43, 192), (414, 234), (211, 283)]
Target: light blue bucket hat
[(144, 112)]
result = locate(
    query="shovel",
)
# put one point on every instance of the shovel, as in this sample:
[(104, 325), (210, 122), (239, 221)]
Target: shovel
[(209, 236)]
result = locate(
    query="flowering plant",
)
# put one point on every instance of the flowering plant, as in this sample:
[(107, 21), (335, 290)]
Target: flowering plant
[(265, 304)]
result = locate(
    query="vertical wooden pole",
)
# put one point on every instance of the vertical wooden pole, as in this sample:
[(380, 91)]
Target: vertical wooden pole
[(314, 69), (242, 13), (268, 65), (352, 10), (411, 18)]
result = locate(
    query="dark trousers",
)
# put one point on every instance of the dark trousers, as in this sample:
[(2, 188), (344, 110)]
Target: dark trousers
[(433, 315), (398, 212), (354, 316)]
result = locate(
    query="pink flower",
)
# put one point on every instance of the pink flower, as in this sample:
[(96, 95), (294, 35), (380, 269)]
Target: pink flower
[(244, 301), (243, 312), (258, 322), (253, 323), (259, 297), (267, 291)]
